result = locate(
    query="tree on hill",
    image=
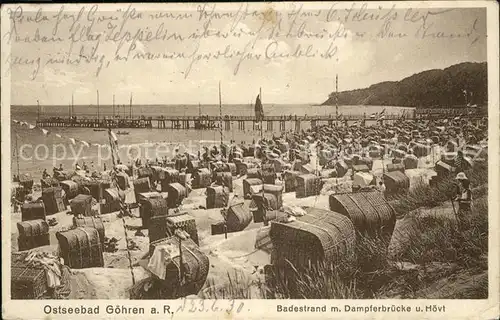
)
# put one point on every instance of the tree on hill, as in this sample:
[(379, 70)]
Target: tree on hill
[(431, 88)]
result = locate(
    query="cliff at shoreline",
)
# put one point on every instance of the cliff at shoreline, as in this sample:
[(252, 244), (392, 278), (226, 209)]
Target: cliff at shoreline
[(431, 88)]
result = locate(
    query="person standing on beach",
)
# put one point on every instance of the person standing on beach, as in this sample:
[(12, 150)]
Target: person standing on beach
[(15, 203), (63, 196), (464, 196), (459, 162)]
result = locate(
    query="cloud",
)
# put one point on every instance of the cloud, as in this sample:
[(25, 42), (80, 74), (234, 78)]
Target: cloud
[(358, 61), (57, 78), (82, 90)]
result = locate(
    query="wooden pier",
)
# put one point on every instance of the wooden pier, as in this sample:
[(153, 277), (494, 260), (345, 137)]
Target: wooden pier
[(268, 123), (440, 113), (197, 122)]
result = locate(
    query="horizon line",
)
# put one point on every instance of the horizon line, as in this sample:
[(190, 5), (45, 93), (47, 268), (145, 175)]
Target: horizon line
[(271, 103), (160, 104)]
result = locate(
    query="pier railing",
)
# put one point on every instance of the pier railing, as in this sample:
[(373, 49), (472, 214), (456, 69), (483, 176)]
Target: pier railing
[(208, 122)]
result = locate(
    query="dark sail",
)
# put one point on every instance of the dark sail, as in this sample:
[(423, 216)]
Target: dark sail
[(259, 110)]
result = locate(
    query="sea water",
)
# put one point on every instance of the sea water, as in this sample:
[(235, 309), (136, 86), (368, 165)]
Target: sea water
[(38, 151)]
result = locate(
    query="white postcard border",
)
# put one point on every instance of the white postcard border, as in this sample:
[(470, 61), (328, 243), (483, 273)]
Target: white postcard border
[(266, 309)]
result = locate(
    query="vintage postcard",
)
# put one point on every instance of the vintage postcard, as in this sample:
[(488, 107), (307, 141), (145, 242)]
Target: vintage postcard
[(250, 160)]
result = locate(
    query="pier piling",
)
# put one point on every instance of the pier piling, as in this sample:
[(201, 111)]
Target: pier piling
[(297, 125), (211, 122), (282, 125)]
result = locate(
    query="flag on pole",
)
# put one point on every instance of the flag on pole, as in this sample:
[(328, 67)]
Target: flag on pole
[(113, 136), (373, 115), (113, 143)]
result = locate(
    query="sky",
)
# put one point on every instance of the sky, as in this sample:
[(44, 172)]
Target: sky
[(364, 56)]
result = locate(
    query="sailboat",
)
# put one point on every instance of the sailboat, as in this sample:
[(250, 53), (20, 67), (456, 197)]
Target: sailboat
[(259, 111), (98, 114)]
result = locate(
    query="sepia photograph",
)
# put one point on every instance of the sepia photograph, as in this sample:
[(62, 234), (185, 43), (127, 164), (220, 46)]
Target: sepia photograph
[(247, 151)]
